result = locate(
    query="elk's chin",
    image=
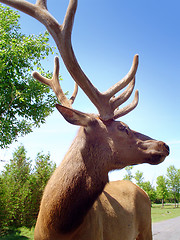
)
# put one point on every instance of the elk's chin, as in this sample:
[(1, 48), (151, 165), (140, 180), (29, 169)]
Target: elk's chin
[(155, 159)]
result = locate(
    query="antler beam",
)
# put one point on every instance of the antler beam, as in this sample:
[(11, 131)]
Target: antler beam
[(61, 34)]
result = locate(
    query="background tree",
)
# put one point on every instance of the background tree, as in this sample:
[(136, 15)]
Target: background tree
[(15, 178), (173, 180), (128, 175), (24, 102), (161, 189), (145, 185), (149, 189), (42, 171), (139, 178), (2, 205), (21, 188)]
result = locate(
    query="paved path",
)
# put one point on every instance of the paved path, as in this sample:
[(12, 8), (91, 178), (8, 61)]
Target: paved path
[(167, 230)]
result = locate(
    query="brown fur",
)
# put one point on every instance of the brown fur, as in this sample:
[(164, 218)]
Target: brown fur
[(123, 211), (74, 205)]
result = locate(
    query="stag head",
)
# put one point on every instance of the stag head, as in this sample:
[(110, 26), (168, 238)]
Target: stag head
[(125, 146)]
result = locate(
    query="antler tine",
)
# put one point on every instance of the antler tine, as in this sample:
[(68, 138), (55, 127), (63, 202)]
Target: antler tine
[(55, 78), (69, 17), (117, 101), (54, 84), (123, 111), (125, 81), (71, 100)]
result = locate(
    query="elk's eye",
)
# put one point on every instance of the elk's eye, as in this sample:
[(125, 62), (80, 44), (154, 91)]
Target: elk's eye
[(121, 127)]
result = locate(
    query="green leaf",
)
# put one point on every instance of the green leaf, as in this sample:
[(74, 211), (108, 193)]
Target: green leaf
[(24, 103)]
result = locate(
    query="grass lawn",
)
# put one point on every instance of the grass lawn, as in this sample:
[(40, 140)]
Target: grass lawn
[(160, 214)]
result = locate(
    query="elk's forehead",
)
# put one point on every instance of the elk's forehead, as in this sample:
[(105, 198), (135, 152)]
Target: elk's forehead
[(124, 124), (117, 123)]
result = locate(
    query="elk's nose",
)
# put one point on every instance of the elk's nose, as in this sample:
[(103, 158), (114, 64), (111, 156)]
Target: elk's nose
[(166, 147)]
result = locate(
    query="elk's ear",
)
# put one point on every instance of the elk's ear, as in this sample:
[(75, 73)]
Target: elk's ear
[(73, 116)]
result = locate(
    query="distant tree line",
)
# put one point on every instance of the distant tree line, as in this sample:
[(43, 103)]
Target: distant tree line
[(21, 187), (167, 187)]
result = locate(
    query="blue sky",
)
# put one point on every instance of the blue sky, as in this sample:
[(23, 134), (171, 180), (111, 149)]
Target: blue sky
[(106, 36)]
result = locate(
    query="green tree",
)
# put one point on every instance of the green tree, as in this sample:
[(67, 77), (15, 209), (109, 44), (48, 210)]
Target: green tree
[(21, 188), (2, 205), (139, 178), (15, 178), (173, 180), (145, 185), (129, 175), (150, 190), (161, 189), (42, 171), (24, 102)]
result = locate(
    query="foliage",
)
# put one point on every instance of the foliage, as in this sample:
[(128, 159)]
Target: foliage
[(145, 185), (150, 190), (161, 189), (41, 173), (22, 233), (24, 102), (167, 188), (129, 175), (14, 179), (21, 189), (173, 181), (139, 178), (2, 204)]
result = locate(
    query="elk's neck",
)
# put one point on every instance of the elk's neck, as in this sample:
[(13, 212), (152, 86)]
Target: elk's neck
[(77, 183)]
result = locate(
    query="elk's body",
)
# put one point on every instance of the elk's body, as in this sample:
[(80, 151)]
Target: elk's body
[(78, 202), (122, 211)]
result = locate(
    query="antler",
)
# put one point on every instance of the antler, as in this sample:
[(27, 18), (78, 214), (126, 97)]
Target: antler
[(104, 102), (55, 85)]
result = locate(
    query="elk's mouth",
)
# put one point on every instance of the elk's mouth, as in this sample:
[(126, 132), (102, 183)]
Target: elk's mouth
[(156, 152), (155, 159)]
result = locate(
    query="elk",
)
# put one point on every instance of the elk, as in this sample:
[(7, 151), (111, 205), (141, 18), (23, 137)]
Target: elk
[(78, 201)]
